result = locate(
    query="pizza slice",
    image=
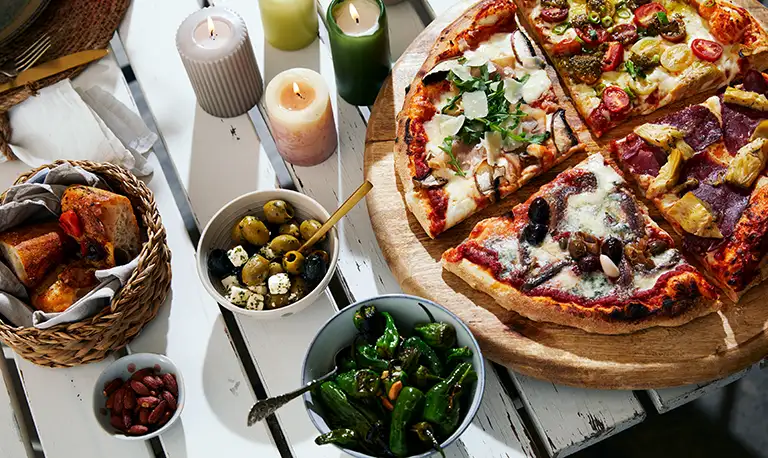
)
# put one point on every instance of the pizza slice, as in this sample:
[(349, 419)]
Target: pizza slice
[(583, 252), (626, 58), (481, 118), (704, 168)]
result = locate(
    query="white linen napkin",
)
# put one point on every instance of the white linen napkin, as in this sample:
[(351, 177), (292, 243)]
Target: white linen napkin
[(63, 123)]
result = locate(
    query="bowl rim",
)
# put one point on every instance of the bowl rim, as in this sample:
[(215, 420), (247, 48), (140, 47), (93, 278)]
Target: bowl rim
[(181, 399), (479, 384), (202, 271)]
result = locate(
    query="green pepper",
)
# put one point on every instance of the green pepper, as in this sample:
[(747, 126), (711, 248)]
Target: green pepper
[(369, 322), (409, 358), (440, 336), (344, 413), (367, 357), (406, 408), (391, 377), (424, 379), (386, 346), (347, 360), (428, 355), (343, 437), (362, 383), (453, 355), (441, 407), (426, 435)]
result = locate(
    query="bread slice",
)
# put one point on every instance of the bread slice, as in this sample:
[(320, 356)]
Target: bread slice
[(64, 286), (31, 251), (110, 232)]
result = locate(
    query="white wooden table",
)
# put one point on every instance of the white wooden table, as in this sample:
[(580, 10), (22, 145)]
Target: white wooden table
[(227, 361)]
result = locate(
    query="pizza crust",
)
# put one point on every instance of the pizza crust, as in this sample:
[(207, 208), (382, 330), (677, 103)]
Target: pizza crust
[(595, 320)]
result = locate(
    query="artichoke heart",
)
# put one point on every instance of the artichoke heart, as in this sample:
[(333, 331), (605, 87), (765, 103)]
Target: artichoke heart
[(749, 161), (761, 131), (668, 175), (694, 217), (661, 135), (747, 99)]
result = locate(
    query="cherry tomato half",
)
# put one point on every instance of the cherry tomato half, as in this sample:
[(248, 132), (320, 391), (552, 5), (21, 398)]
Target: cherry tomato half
[(592, 35), (616, 100), (70, 223), (625, 34), (554, 14), (706, 49), (645, 15), (567, 47), (613, 56)]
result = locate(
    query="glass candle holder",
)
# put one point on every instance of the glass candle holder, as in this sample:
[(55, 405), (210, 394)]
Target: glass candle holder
[(360, 46), (289, 24)]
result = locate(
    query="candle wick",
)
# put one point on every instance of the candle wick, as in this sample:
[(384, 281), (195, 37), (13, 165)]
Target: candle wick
[(300, 96), (357, 20)]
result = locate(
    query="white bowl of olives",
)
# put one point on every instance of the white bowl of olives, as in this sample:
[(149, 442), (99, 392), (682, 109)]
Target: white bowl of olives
[(248, 258)]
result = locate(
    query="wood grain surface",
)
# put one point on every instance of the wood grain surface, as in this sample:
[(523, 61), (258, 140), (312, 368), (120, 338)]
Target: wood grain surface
[(705, 349)]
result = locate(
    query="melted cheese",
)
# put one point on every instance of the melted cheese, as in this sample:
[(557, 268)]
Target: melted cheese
[(537, 84), (497, 47), (461, 198)]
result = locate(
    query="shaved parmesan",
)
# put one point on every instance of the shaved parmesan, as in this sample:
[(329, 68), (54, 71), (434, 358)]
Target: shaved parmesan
[(492, 144), (475, 104), (513, 90), (442, 126), (451, 66), (537, 84)]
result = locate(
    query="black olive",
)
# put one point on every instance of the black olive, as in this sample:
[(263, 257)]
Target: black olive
[(315, 268), (535, 233), (613, 248), (94, 252), (219, 264), (658, 246), (589, 263), (538, 211)]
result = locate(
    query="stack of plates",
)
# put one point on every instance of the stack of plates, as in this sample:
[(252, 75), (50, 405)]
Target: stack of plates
[(17, 15)]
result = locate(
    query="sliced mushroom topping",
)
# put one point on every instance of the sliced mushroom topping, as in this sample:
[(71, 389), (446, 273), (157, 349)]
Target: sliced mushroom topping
[(524, 51), (484, 178), (430, 181), (562, 134)]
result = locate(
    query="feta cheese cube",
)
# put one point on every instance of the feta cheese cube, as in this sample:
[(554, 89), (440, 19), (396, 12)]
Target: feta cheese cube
[(279, 283), (237, 256), (238, 296), (255, 302), (259, 289), (230, 281), (267, 252)]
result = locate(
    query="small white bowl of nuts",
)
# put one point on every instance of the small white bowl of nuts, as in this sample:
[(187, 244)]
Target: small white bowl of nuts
[(138, 396), (249, 257)]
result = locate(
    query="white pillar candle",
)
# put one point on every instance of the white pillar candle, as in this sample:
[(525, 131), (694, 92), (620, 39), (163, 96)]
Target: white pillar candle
[(216, 51), (301, 117)]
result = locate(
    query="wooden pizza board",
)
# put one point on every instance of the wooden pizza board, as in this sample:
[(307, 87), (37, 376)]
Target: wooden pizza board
[(705, 349)]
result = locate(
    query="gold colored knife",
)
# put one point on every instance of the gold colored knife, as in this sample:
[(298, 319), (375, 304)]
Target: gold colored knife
[(53, 67)]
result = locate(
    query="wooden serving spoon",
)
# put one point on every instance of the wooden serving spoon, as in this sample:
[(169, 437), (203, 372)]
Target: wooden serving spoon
[(348, 205)]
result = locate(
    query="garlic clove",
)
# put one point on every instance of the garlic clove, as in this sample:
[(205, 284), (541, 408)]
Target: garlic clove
[(609, 268)]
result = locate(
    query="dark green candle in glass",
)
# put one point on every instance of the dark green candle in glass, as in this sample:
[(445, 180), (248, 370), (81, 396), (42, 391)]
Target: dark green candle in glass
[(360, 47)]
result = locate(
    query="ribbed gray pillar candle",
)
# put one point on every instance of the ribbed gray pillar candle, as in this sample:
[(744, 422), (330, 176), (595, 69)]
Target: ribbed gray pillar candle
[(216, 51)]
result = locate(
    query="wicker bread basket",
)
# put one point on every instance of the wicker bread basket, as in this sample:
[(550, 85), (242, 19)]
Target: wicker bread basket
[(134, 305)]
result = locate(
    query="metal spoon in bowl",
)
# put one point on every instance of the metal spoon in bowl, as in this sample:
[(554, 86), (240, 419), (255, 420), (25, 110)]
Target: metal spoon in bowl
[(266, 407)]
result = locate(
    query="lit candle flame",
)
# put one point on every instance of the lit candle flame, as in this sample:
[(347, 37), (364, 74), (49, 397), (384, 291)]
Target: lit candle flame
[(211, 27), (353, 13), (296, 90)]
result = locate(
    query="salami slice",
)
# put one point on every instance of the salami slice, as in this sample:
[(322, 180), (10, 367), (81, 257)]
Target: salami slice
[(641, 157), (699, 125), (739, 124)]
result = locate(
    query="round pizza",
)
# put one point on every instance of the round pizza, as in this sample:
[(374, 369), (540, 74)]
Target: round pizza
[(481, 118), (583, 252), (626, 58)]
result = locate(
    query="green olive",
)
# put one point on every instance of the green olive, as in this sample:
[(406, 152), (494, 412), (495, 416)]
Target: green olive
[(255, 270), (237, 234), (322, 254), (284, 243), (254, 230), (275, 268), (293, 261), (289, 228), (308, 229), (299, 289), (278, 211), (277, 300)]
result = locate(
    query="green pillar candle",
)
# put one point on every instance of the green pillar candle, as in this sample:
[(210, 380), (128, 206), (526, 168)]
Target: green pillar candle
[(360, 47), (289, 24)]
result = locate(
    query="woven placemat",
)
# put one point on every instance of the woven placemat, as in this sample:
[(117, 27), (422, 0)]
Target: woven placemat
[(74, 26)]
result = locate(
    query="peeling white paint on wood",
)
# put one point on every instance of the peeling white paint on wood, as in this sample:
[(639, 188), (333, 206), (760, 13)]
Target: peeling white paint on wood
[(671, 398), (571, 419)]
